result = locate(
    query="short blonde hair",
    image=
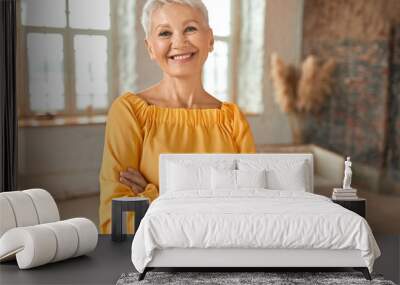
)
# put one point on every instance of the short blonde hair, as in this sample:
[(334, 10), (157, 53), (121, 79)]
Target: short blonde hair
[(152, 5)]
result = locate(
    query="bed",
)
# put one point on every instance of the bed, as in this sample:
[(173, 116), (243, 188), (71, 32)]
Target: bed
[(247, 210)]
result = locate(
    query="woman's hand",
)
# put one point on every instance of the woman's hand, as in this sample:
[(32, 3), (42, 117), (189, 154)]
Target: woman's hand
[(134, 179)]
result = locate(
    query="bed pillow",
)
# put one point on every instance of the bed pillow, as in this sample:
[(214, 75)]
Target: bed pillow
[(236, 179), (281, 174), (251, 178), (223, 179), (185, 174), (294, 180), (181, 177)]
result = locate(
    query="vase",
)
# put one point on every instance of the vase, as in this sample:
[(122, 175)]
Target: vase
[(297, 126)]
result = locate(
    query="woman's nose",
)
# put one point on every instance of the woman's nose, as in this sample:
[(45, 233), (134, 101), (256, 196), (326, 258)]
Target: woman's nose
[(179, 40)]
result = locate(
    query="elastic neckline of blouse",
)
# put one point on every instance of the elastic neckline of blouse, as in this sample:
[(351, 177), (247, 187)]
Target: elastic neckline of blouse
[(223, 105)]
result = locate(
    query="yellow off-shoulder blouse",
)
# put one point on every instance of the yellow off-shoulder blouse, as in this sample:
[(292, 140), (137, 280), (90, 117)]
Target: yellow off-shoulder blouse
[(137, 132)]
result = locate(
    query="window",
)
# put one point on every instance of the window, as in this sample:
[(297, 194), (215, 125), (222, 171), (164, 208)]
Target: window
[(75, 64), (67, 56), (235, 70), (217, 70)]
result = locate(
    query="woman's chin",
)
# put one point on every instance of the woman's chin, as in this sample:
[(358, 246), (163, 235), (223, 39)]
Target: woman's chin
[(183, 72)]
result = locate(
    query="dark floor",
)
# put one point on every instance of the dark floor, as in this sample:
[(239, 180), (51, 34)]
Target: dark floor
[(110, 260), (389, 262), (102, 266)]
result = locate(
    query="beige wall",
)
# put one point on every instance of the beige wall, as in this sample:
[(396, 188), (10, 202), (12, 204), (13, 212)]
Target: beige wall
[(284, 36), (66, 160)]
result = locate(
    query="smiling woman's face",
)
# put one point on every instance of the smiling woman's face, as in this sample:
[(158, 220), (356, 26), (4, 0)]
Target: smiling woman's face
[(179, 40)]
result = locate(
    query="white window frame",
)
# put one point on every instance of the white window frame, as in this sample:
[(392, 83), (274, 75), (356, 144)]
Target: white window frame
[(232, 41), (233, 55), (70, 96)]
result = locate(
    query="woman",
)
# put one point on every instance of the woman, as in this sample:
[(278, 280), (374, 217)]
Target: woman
[(174, 116)]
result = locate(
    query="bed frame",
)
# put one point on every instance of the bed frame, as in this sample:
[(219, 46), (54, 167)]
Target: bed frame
[(241, 259)]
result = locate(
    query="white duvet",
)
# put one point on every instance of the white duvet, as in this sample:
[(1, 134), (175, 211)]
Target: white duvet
[(251, 218)]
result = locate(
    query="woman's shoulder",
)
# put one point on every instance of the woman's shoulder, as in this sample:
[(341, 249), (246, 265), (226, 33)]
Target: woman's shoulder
[(129, 106), (128, 100), (213, 103), (232, 108)]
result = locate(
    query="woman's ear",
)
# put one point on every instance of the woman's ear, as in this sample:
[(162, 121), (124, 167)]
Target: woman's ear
[(149, 49), (211, 34)]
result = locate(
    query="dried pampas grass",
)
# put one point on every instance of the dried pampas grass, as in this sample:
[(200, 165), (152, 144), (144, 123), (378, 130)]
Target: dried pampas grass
[(284, 79), (314, 84), (301, 91)]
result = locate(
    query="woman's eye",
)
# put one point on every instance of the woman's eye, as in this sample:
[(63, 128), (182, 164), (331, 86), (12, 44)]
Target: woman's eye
[(191, 29), (164, 34)]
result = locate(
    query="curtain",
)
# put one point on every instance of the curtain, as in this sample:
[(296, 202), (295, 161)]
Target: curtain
[(8, 108), (127, 45), (251, 56), (131, 51)]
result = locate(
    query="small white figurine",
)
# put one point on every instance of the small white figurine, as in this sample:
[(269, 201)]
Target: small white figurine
[(347, 174)]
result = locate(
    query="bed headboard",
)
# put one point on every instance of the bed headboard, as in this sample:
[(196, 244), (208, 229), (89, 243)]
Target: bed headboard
[(192, 157)]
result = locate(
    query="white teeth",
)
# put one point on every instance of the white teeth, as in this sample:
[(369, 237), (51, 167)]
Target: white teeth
[(180, 57)]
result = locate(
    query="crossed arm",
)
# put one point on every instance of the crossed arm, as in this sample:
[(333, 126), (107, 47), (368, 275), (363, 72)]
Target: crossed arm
[(134, 180)]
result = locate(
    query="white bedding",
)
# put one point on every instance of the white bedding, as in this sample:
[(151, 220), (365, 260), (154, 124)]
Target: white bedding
[(250, 218)]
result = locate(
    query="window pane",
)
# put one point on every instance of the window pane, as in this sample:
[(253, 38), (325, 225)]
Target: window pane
[(91, 71), (46, 72), (219, 13), (216, 71), (46, 13), (89, 14)]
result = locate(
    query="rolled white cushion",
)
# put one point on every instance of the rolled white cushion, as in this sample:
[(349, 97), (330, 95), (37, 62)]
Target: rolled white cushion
[(33, 246), (67, 239), (45, 243), (7, 218), (46, 207), (26, 208), (23, 208), (87, 235)]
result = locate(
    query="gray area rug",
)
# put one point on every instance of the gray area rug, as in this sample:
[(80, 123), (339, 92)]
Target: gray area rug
[(231, 278)]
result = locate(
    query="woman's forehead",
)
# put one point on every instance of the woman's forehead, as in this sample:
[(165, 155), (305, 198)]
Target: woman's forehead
[(175, 14)]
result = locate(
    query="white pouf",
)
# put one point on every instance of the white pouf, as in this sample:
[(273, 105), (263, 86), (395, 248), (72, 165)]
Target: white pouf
[(46, 207), (31, 232), (23, 208), (37, 245), (7, 220)]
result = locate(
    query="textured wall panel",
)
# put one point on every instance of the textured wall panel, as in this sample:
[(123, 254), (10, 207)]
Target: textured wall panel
[(353, 120)]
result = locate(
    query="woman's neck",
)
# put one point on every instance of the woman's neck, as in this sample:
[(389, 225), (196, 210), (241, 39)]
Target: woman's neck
[(182, 92)]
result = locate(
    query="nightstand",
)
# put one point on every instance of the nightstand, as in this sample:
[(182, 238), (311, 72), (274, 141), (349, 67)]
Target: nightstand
[(126, 204), (358, 205)]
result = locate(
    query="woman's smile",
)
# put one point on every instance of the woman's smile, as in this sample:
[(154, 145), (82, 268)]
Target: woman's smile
[(179, 40), (182, 57)]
